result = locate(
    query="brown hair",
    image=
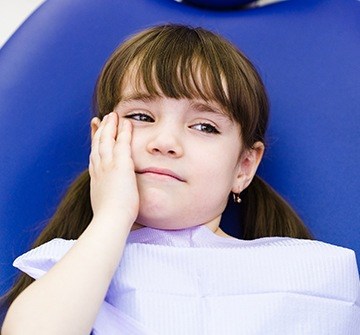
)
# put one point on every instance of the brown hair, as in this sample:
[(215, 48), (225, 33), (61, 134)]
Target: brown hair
[(183, 62)]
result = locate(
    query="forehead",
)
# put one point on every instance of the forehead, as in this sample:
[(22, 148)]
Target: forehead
[(133, 92), (196, 85)]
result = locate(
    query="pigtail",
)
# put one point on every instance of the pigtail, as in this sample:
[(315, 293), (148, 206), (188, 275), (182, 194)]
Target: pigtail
[(266, 213), (69, 221)]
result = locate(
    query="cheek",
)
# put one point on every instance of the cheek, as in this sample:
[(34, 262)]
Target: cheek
[(216, 172)]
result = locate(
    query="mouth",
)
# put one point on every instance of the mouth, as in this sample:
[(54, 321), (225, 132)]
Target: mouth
[(161, 172)]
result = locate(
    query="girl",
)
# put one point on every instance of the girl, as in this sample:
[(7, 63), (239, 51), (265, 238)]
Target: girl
[(135, 246)]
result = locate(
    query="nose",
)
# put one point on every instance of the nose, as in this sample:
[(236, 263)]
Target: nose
[(166, 141)]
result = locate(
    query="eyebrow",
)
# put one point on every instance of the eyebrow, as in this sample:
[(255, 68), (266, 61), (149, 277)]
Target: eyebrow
[(138, 97), (207, 108), (199, 106)]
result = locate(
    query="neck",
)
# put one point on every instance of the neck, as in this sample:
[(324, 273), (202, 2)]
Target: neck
[(213, 225)]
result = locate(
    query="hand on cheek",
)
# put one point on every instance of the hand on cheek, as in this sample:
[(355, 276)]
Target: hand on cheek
[(113, 188)]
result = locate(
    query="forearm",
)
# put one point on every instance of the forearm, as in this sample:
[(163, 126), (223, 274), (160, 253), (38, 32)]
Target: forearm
[(66, 300)]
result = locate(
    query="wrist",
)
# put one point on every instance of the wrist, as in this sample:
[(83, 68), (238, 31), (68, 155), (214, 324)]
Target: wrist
[(120, 222)]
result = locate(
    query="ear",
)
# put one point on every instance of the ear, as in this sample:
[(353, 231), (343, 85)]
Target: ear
[(247, 166), (95, 123)]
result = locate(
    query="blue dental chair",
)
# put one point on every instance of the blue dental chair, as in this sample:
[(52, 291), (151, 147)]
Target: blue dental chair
[(308, 53)]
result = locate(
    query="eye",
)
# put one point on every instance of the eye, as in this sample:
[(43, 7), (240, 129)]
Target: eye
[(140, 117), (206, 128)]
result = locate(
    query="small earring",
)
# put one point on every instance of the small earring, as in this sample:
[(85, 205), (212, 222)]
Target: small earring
[(236, 198)]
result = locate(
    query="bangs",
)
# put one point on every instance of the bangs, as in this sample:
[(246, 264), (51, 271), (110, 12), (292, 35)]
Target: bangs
[(183, 69)]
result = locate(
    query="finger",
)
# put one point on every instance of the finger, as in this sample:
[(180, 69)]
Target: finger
[(124, 132), (123, 139), (96, 129), (91, 167), (107, 138), (94, 125)]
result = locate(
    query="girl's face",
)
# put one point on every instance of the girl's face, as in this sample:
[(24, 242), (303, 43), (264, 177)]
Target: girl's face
[(187, 159)]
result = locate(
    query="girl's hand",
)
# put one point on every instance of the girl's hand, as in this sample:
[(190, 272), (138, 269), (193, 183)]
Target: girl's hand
[(80, 280), (113, 187)]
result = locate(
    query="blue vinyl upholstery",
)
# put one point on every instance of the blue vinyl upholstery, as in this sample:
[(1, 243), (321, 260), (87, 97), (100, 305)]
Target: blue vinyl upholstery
[(308, 53)]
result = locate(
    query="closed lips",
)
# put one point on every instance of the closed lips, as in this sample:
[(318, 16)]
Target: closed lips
[(159, 171)]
